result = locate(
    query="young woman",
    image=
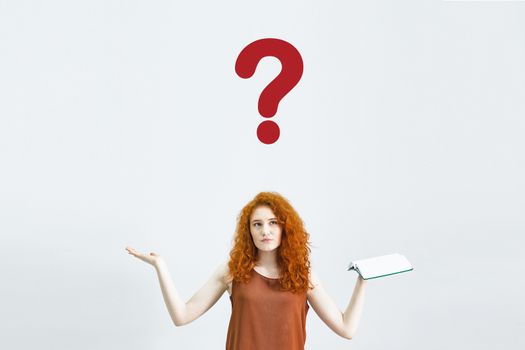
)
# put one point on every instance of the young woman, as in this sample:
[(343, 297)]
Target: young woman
[(269, 280)]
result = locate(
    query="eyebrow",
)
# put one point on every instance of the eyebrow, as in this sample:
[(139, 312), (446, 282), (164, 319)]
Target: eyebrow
[(262, 220)]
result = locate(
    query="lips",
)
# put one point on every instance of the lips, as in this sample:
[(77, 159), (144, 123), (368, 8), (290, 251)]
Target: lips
[(266, 240)]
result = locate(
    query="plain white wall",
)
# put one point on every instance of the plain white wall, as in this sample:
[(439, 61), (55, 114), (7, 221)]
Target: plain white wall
[(124, 123)]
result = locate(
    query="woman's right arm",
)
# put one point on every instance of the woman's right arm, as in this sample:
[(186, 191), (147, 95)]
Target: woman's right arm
[(182, 312)]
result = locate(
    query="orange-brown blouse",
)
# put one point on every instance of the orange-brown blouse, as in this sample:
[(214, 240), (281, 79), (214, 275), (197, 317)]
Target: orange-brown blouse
[(265, 317)]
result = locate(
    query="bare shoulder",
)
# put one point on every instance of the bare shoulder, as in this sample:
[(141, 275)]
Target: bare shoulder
[(314, 278), (315, 283), (223, 273)]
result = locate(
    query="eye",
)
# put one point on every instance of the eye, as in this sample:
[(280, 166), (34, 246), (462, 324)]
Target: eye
[(273, 222), (256, 224)]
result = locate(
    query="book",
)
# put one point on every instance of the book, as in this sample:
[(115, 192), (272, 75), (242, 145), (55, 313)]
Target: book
[(381, 266)]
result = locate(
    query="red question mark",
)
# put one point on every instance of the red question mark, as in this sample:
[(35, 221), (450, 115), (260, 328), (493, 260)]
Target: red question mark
[(291, 72)]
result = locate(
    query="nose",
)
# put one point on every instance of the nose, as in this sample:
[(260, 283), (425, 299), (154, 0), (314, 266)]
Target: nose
[(266, 230)]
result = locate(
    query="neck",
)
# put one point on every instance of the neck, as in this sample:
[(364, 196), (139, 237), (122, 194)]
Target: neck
[(267, 259)]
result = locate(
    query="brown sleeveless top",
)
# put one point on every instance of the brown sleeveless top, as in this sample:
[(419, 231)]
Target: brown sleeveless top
[(265, 317)]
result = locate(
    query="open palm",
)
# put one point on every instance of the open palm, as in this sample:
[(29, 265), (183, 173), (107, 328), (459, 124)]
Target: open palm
[(151, 258)]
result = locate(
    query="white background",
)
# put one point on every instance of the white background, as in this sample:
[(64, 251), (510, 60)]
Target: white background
[(124, 123)]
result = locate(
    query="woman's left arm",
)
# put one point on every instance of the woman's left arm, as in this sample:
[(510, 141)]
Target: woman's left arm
[(342, 323)]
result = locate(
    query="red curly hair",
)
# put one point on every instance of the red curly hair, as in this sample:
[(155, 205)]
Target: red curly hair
[(293, 254)]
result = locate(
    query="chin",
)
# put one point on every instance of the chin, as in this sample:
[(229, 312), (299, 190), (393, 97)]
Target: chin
[(268, 249)]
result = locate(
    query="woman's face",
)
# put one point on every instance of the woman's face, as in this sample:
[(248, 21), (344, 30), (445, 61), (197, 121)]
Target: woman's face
[(265, 229)]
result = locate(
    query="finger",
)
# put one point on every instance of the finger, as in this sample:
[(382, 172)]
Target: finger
[(133, 251), (136, 254)]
